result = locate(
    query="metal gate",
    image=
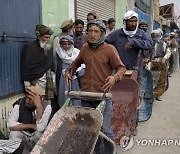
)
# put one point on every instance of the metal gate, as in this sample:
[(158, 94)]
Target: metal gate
[(104, 8), (17, 26)]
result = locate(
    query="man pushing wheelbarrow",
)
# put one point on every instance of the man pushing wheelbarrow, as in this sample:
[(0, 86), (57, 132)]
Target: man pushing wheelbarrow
[(101, 59), (103, 69)]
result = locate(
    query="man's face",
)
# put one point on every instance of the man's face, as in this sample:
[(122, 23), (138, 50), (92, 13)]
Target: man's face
[(29, 102), (79, 29), (131, 24), (90, 17), (155, 35), (94, 34), (44, 38), (66, 45), (111, 26), (144, 27)]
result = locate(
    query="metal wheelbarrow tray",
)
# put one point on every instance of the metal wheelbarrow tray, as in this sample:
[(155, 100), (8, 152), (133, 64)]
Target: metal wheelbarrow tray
[(72, 130), (125, 102), (145, 109)]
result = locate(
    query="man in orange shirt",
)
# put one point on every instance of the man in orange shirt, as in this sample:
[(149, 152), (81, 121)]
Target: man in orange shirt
[(101, 59)]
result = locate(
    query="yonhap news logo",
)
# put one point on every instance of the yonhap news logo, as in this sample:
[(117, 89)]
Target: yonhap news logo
[(158, 142), (127, 143)]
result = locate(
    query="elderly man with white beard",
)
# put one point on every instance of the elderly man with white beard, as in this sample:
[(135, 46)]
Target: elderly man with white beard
[(67, 53), (37, 62)]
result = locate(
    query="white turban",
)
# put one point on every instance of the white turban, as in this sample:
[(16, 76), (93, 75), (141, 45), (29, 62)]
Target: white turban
[(129, 14), (156, 31), (160, 31)]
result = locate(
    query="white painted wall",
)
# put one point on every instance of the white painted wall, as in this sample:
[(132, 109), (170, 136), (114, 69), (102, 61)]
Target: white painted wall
[(71, 10)]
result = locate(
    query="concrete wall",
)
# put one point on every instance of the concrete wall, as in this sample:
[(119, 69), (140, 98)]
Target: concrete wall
[(54, 12), (121, 6)]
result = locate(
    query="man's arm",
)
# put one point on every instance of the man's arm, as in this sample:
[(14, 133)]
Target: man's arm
[(74, 65), (116, 64), (110, 38), (42, 123), (14, 125), (167, 53), (20, 127), (37, 102), (142, 43)]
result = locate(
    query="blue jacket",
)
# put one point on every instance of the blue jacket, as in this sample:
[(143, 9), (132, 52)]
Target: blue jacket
[(129, 57)]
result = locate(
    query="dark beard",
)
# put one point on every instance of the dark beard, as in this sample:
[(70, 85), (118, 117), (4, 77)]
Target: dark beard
[(30, 108)]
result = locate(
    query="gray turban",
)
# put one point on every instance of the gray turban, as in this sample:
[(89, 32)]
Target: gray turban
[(66, 38), (98, 23), (102, 27)]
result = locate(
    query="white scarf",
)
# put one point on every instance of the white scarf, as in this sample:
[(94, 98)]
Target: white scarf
[(68, 56), (130, 33)]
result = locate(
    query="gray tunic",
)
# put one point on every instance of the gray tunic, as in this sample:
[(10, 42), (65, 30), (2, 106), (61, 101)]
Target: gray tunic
[(63, 87)]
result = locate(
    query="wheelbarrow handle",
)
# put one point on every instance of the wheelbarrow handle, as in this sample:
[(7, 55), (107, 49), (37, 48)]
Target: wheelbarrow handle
[(93, 95), (70, 84)]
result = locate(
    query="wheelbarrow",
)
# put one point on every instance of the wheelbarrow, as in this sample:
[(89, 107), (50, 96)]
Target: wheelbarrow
[(160, 77), (124, 116), (145, 109), (74, 130)]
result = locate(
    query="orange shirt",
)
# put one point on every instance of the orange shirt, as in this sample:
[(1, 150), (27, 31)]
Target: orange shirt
[(100, 63)]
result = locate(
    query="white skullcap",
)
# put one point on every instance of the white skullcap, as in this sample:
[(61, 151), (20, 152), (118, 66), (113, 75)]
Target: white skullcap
[(160, 31), (130, 14), (172, 33), (156, 31)]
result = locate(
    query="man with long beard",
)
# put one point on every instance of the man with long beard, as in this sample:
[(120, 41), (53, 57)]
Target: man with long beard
[(67, 53), (37, 61)]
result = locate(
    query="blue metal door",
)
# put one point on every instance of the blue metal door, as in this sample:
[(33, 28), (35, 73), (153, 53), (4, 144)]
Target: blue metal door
[(18, 19)]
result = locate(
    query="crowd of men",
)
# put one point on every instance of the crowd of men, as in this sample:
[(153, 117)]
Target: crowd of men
[(92, 61)]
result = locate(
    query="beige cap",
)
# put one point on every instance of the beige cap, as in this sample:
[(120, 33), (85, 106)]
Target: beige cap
[(35, 89), (66, 24)]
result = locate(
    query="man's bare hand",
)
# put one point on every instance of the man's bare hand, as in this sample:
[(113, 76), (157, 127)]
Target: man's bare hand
[(163, 60), (35, 98), (34, 126), (127, 46), (68, 78), (109, 82)]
